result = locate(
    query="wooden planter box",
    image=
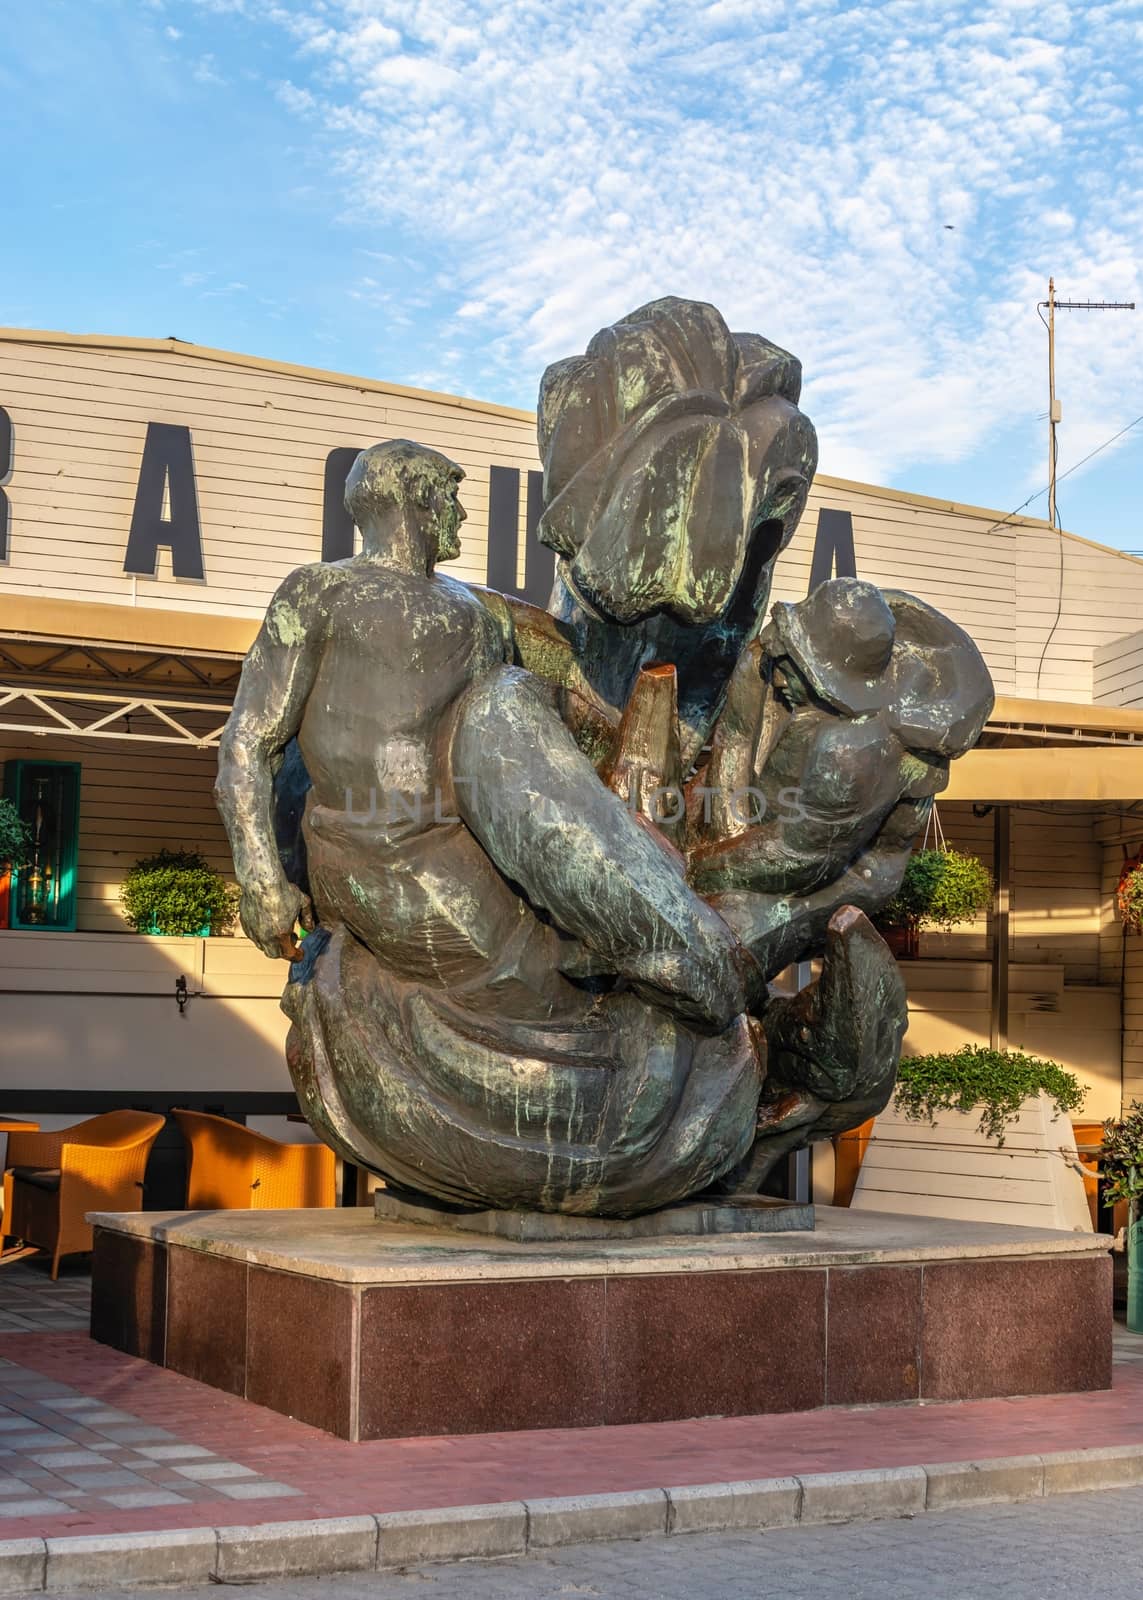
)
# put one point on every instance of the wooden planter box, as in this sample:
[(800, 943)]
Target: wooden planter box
[(952, 1170)]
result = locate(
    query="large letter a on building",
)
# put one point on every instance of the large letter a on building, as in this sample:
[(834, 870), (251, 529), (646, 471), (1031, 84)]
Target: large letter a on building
[(167, 474)]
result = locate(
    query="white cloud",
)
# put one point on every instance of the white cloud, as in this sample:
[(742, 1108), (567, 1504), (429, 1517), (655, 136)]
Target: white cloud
[(795, 161), (205, 70)]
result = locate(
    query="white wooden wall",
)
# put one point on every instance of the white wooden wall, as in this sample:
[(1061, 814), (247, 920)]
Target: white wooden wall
[(260, 436), (949, 1169), (1064, 999), (1118, 675), (1121, 953), (1056, 899), (84, 1011), (134, 801)]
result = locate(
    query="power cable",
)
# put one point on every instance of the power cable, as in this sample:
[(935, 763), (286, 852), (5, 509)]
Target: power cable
[(1060, 575), (1082, 462)]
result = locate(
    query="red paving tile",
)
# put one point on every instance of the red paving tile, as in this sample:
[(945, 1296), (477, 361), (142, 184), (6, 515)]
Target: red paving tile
[(340, 1479)]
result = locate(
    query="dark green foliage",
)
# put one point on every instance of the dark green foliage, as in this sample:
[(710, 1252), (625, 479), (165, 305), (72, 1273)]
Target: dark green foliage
[(940, 889), (1121, 1165), (998, 1081), (175, 892), (15, 836)]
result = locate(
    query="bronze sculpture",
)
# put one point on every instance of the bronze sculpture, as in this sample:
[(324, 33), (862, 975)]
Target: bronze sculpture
[(552, 860)]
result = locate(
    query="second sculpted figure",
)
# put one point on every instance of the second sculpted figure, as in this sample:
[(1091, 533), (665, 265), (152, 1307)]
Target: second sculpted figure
[(525, 987)]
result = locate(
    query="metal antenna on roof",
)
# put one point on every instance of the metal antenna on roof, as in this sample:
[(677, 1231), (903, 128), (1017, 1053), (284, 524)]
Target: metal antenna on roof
[(1054, 412), (1053, 305)]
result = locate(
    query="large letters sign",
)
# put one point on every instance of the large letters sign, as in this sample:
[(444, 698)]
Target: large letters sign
[(165, 476), (166, 484), (503, 537), (336, 523), (834, 555), (5, 473)]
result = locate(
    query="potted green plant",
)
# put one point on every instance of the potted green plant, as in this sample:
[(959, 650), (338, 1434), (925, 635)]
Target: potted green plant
[(177, 892), (1121, 1169), (978, 1134), (941, 888), (978, 1079), (15, 841)]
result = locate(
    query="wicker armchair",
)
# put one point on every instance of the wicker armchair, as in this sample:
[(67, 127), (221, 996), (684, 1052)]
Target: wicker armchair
[(54, 1179), (232, 1168)]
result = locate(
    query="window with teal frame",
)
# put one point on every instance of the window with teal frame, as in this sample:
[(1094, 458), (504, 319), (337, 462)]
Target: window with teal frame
[(43, 892)]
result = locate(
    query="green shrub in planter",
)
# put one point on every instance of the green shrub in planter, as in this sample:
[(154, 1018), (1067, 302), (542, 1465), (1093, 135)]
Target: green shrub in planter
[(998, 1081), (175, 892), (940, 888), (15, 836)]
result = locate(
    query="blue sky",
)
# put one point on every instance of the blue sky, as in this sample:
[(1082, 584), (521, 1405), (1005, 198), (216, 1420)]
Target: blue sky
[(452, 194)]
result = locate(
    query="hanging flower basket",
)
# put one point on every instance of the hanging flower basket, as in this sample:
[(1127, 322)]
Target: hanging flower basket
[(940, 889), (1129, 894)]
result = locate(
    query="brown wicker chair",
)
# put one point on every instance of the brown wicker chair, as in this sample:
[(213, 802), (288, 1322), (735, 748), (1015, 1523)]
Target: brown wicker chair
[(232, 1168), (53, 1179)]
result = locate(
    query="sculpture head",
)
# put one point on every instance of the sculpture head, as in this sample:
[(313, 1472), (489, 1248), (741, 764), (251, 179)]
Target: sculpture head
[(864, 650), (839, 641), (405, 499), (676, 466)]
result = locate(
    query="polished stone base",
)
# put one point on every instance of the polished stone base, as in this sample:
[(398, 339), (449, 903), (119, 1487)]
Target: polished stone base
[(372, 1330), (739, 1213)]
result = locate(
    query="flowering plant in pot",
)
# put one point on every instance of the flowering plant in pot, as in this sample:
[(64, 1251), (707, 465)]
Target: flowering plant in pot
[(941, 888), (1129, 894), (177, 892), (15, 842), (1121, 1168)]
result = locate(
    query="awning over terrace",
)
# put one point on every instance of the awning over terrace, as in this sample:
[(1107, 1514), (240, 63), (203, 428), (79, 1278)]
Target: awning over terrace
[(1053, 750)]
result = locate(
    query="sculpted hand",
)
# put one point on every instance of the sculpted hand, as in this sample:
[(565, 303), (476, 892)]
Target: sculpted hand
[(269, 917)]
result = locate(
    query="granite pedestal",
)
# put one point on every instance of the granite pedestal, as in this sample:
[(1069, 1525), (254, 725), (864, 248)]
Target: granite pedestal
[(375, 1330)]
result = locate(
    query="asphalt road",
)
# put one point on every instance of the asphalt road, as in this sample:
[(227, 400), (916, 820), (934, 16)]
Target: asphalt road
[(1090, 1544)]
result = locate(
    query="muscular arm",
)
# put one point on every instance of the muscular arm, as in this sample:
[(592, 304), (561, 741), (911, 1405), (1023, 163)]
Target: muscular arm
[(848, 778), (276, 680)]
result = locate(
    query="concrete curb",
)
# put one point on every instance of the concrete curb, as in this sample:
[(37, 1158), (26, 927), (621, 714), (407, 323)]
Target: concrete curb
[(460, 1533)]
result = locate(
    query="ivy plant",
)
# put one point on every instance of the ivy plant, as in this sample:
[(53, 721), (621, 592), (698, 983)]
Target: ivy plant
[(940, 888), (1121, 1164), (176, 892), (995, 1081), (15, 836)]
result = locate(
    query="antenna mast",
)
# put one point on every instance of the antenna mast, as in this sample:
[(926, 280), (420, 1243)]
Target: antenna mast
[(1054, 410)]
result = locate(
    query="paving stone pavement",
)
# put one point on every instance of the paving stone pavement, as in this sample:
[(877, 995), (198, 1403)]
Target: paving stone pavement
[(63, 1452), (31, 1303), (95, 1442), (1055, 1550)]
